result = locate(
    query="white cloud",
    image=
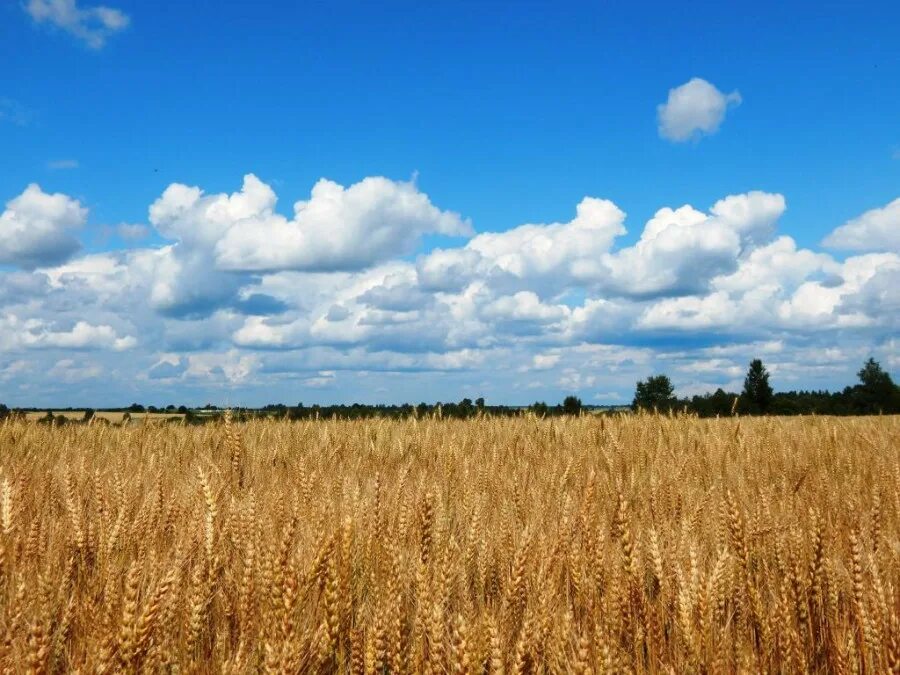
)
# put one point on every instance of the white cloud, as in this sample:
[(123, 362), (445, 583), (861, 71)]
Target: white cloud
[(779, 263), (93, 25), (167, 367), (681, 250), (875, 230), (573, 379), (524, 306), (776, 289), (338, 228), (544, 361), (694, 109), (13, 369), (539, 310), (71, 371), (132, 231), (691, 313), (838, 304), (231, 366), (542, 254), (35, 228), (185, 214), (724, 367), (104, 276), (16, 333), (325, 378)]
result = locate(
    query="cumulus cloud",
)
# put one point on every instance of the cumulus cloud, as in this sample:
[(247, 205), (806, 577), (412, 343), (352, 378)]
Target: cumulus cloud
[(222, 242), (817, 305), (541, 253), (337, 228), (780, 288), (875, 230), (681, 250), (538, 310), (93, 25), (16, 333), (694, 109), (35, 228)]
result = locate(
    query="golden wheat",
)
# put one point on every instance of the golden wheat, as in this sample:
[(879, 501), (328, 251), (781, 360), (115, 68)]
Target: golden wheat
[(590, 545)]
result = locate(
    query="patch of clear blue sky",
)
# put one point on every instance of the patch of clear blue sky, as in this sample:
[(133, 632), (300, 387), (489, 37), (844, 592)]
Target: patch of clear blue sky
[(510, 112)]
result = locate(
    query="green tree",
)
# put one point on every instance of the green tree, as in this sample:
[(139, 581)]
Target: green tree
[(876, 391), (757, 395), (656, 393), (572, 405), (466, 408), (540, 408)]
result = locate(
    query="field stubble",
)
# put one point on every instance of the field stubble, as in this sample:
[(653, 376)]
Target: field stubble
[(644, 544)]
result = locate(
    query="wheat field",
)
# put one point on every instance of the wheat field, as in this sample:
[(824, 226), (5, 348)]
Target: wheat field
[(595, 544)]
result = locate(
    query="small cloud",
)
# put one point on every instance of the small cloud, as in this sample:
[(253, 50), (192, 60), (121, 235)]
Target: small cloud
[(69, 371), (544, 361), (895, 154), (14, 112), (694, 109), (132, 231), (62, 164), (166, 368), (125, 343), (92, 25), (325, 378), (574, 380), (13, 369)]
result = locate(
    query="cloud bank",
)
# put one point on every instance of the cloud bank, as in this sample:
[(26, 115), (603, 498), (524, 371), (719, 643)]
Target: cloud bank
[(342, 300)]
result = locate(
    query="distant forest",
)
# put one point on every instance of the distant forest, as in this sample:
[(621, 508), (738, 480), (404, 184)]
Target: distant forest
[(874, 394)]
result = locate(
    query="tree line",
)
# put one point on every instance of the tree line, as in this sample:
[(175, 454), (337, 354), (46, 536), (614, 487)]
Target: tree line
[(875, 394)]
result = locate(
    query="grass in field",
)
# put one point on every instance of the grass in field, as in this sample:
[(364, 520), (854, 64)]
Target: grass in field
[(644, 544)]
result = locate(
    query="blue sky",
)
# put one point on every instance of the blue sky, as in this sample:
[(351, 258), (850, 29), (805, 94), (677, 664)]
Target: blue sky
[(502, 113)]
